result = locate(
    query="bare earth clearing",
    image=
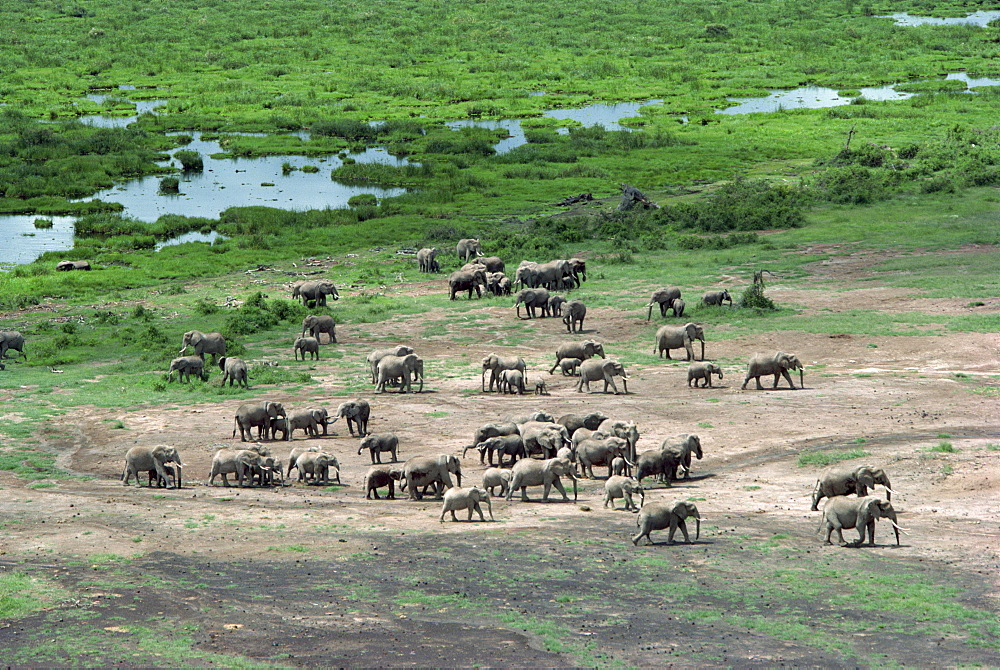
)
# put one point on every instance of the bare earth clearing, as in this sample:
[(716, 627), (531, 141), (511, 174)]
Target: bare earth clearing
[(308, 576)]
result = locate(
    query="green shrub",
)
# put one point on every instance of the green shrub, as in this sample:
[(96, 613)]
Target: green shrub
[(42, 224), (362, 200), (191, 161), (170, 185), (205, 307)]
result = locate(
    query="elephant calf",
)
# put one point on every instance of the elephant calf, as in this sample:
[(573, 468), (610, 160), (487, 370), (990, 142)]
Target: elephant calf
[(703, 372), (661, 515), (379, 476), (457, 498), (376, 444), (843, 512), (623, 487), (304, 345)]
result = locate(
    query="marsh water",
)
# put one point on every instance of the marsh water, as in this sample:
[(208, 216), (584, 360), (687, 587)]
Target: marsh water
[(21, 242), (980, 18)]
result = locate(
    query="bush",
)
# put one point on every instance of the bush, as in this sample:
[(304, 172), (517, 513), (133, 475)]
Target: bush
[(170, 185), (854, 185), (191, 161), (362, 200), (42, 224), (753, 297)]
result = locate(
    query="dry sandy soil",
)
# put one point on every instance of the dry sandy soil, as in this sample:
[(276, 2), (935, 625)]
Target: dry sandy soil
[(307, 576)]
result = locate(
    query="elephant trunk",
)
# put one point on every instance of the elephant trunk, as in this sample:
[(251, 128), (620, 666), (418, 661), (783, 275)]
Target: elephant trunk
[(802, 383), (649, 314), (703, 350), (458, 477), (362, 448), (178, 469), (489, 506), (697, 527)]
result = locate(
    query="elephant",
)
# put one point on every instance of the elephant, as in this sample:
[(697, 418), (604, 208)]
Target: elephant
[(617, 486), (570, 367), (64, 266), (204, 343), (777, 364), (257, 415), (313, 293), (187, 366), (676, 337), (576, 311), (307, 421), (322, 417), (841, 512), (379, 476), (541, 388), (293, 457), (594, 370), (466, 280), (620, 466), (495, 364), (489, 430), (406, 367), (680, 455), (579, 267), (143, 459), (356, 412), (529, 472), (497, 283), (468, 249), (320, 323), (537, 415), (533, 298), (555, 305), (512, 381), (240, 462), (716, 298), (525, 275), (458, 498), (627, 430), (268, 471), (235, 370), (663, 297), (574, 422), (11, 339), (306, 345), (582, 350), (317, 464), (494, 477), (279, 425), (599, 451), (376, 444), (493, 263), (704, 372), (660, 515), (843, 480), (501, 445), (427, 260), (677, 307), (431, 470), (377, 355), (543, 437)]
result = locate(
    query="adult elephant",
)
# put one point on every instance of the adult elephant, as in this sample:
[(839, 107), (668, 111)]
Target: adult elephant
[(594, 370), (678, 455), (468, 249), (495, 364), (314, 467), (144, 459), (841, 512), (543, 437), (661, 515), (716, 298), (466, 280), (313, 293), (436, 471), (493, 263), (241, 462), (317, 324), (777, 364), (663, 297), (356, 412), (554, 275), (204, 343), (573, 422), (427, 260), (626, 430), (576, 312), (185, 367), (677, 337), (257, 415), (376, 444), (842, 480), (377, 355), (533, 298), (11, 339), (579, 267), (234, 370), (525, 275), (307, 420), (407, 368), (582, 350), (529, 472), (501, 445), (489, 430), (600, 451)]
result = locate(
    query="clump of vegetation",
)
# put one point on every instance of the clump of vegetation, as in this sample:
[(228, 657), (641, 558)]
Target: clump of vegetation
[(42, 224), (753, 296), (170, 185), (823, 458), (191, 161)]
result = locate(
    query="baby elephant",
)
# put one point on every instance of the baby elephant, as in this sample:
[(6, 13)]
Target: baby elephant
[(379, 476), (623, 487), (306, 345), (704, 372), (376, 444), (660, 515), (494, 477), (570, 367), (458, 498), (843, 512)]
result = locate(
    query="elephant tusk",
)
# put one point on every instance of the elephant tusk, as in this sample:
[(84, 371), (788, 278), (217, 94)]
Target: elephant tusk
[(894, 525), (890, 490)]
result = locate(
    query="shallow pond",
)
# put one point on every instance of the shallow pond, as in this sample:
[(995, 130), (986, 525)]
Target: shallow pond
[(195, 236), (21, 242), (980, 18)]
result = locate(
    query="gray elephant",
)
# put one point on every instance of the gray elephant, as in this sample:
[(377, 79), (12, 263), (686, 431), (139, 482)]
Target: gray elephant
[(379, 476), (661, 515), (579, 267), (308, 421), (574, 422), (11, 339), (204, 343), (377, 355), (314, 467), (65, 266), (703, 372), (489, 430), (320, 323), (314, 293), (543, 437), (512, 381), (842, 512), (436, 471), (493, 263), (466, 280), (293, 457), (777, 364), (501, 445), (306, 345), (356, 412), (627, 430), (468, 249), (715, 298), (595, 370), (680, 455), (677, 307), (497, 283), (495, 364), (427, 260), (496, 477), (533, 298), (185, 367), (457, 498), (144, 459), (529, 472), (576, 312), (663, 297), (599, 451), (842, 480), (240, 462), (617, 486), (257, 415), (570, 367), (582, 350), (407, 368), (234, 369), (555, 306), (376, 444), (677, 337)]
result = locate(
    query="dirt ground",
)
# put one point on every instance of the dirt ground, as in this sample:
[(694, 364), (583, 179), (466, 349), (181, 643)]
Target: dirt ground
[(308, 576)]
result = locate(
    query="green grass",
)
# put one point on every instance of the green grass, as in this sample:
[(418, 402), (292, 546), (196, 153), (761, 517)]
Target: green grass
[(22, 594), (943, 448), (823, 458)]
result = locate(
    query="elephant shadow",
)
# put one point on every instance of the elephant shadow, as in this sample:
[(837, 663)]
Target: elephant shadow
[(679, 483), (678, 543)]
